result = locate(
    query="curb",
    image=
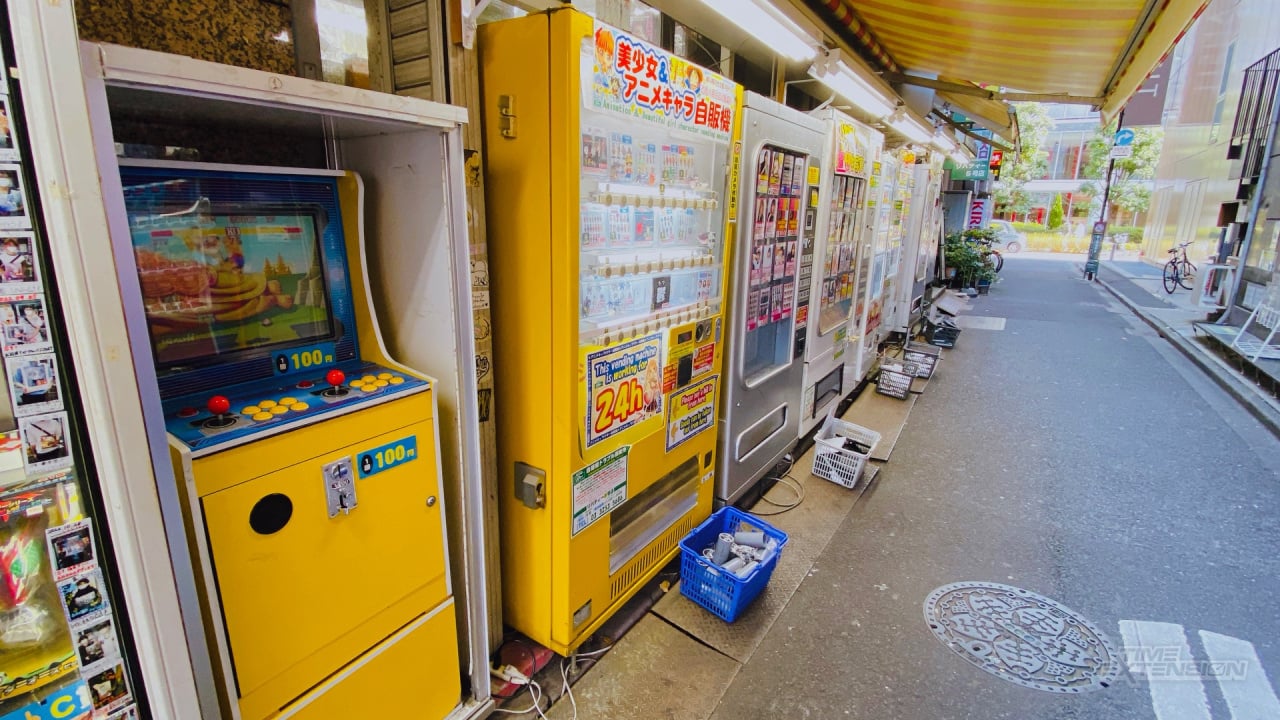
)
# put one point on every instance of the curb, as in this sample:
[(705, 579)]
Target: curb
[(1242, 392)]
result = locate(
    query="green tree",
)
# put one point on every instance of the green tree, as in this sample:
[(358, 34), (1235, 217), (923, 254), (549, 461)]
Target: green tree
[(1131, 180), (1055, 213), (1030, 163)]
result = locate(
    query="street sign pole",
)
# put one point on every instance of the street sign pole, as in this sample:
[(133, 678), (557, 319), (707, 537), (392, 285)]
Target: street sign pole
[(1100, 227)]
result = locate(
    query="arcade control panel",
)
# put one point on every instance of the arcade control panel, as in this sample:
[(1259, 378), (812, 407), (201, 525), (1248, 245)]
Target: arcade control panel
[(206, 421)]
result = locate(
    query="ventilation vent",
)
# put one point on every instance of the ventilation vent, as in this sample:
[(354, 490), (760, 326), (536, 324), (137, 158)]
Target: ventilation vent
[(657, 553)]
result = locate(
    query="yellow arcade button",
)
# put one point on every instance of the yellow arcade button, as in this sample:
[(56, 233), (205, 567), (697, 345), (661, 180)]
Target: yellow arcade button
[(396, 380), (251, 410), (288, 400), (380, 383), (384, 376), (299, 407), (267, 404), (279, 410), (260, 416), (368, 388), (368, 379), (357, 384)]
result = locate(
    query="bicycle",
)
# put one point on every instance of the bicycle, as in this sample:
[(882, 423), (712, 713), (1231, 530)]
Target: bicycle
[(1179, 270)]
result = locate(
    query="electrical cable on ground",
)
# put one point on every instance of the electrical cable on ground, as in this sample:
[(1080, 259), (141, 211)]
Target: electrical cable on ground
[(791, 484), (564, 674)]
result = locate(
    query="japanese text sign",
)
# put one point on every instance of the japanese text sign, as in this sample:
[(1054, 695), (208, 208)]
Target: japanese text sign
[(624, 74)]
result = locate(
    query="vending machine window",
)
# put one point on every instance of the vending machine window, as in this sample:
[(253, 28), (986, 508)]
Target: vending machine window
[(64, 633)]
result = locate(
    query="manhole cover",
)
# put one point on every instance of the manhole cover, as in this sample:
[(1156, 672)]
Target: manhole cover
[(1022, 637)]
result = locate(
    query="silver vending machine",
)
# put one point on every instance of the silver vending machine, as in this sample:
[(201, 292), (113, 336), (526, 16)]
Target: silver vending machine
[(778, 194), (843, 225)]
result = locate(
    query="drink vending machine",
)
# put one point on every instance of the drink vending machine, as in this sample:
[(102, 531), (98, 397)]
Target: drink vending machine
[(610, 175), (920, 243), (66, 649), (779, 199), (844, 229)]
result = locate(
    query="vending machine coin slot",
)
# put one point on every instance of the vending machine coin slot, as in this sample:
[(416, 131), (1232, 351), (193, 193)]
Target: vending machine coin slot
[(339, 487)]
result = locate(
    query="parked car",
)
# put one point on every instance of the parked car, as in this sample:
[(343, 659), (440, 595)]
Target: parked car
[(1008, 239)]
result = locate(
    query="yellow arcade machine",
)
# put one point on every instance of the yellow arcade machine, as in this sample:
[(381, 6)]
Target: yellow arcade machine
[(610, 181), (307, 456)]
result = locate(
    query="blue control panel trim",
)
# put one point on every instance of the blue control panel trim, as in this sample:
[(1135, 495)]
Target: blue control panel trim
[(269, 405)]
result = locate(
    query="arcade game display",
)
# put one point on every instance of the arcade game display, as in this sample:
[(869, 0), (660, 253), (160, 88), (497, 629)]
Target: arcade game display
[(608, 169), (844, 228), (760, 421), (307, 456)]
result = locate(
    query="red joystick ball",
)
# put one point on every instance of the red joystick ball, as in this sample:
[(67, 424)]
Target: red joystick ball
[(219, 405), (335, 377)]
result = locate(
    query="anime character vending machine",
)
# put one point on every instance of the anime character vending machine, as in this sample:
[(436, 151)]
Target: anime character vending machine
[(65, 645), (867, 320), (919, 244), (610, 193), (779, 200), (843, 229)]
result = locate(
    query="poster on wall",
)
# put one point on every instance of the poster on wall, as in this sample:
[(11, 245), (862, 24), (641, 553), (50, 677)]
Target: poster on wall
[(624, 387), (691, 411), (33, 384), (13, 198), (24, 328), (8, 149), (46, 444), (18, 269)]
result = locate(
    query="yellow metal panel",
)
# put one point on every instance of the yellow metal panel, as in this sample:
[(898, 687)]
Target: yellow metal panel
[(515, 66), (300, 603), (557, 586), (408, 676)]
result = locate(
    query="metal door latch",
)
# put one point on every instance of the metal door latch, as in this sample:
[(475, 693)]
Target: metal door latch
[(507, 116), (531, 486), (339, 487)]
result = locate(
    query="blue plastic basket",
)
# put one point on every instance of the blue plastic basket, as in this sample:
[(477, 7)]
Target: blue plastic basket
[(723, 593)]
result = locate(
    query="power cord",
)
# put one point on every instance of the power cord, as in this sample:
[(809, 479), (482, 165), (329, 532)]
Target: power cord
[(787, 480), (564, 673), (510, 674)]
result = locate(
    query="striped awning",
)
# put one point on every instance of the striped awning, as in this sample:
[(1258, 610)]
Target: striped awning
[(1097, 51)]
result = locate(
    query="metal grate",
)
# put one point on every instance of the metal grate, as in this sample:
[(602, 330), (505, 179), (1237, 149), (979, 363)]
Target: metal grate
[(624, 580), (1254, 116)]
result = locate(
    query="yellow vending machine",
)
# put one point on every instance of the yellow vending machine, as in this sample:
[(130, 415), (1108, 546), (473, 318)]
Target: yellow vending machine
[(610, 181)]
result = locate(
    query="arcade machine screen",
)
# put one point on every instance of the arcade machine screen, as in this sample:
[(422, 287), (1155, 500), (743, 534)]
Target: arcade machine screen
[(218, 285)]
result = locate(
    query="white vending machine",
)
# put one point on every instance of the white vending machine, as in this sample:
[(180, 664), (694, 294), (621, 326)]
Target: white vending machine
[(866, 325), (919, 244), (777, 197), (844, 228)]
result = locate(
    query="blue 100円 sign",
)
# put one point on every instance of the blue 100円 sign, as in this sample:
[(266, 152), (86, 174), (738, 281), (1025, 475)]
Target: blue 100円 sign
[(385, 457)]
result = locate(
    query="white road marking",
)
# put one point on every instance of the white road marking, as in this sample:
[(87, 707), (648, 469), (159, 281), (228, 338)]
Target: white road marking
[(1161, 653), (980, 322), (1241, 676)]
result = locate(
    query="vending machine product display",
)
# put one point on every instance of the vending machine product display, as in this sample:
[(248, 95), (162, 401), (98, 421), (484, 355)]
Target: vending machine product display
[(779, 198), (844, 229), (65, 648), (867, 321), (920, 243), (609, 188)]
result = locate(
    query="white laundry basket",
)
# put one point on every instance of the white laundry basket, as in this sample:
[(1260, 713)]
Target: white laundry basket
[(835, 462)]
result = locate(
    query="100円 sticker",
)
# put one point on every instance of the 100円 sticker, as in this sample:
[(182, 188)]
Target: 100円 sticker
[(1022, 637)]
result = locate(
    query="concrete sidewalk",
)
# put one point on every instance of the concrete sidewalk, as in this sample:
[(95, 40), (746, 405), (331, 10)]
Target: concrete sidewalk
[(1140, 287)]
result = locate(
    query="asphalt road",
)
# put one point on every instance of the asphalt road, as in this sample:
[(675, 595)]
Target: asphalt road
[(1076, 455)]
